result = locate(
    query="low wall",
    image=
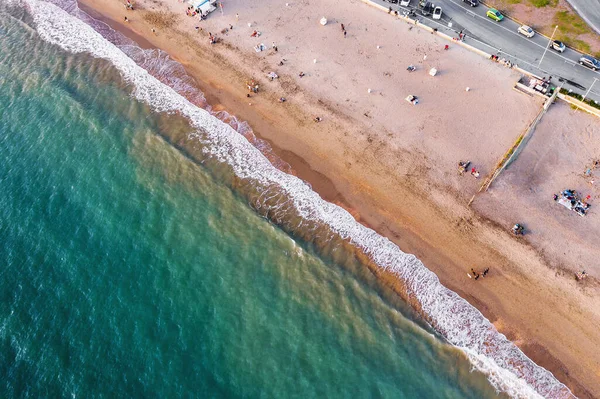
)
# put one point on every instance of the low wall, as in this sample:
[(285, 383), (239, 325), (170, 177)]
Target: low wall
[(580, 104), (429, 29)]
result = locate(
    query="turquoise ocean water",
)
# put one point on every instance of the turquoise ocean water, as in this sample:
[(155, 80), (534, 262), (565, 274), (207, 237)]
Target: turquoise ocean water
[(132, 266)]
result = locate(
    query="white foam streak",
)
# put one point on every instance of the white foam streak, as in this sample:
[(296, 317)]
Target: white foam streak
[(507, 368)]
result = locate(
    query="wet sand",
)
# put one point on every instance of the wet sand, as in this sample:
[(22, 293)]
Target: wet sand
[(391, 164)]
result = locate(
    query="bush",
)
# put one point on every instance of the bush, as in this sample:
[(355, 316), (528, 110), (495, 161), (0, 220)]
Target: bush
[(569, 22), (539, 3), (579, 97)]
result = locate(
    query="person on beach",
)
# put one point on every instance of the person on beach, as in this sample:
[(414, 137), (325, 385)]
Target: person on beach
[(486, 271), (390, 10), (318, 119), (343, 28), (237, 17), (345, 33), (154, 31), (301, 74)]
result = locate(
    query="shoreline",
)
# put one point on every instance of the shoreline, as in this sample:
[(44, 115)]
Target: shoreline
[(409, 236)]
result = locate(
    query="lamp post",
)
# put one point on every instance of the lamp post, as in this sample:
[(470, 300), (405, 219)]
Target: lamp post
[(549, 44)]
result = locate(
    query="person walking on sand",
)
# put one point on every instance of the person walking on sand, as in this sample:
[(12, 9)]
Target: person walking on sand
[(343, 28), (126, 19), (154, 31), (237, 17)]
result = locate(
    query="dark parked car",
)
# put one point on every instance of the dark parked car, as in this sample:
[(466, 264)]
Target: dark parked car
[(472, 3), (589, 62), (427, 9)]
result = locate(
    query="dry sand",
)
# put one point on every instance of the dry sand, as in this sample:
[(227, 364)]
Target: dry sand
[(394, 164), (564, 146)]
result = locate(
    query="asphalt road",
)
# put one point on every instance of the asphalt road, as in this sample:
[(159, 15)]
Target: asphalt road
[(589, 10), (501, 38)]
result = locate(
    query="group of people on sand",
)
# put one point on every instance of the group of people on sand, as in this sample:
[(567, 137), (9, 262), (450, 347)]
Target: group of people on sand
[(463, 166), (192, 12), (477, 275), (503, 61)]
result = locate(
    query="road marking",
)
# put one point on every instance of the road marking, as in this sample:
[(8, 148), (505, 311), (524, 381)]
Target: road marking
[(515, 33), (565, 59)]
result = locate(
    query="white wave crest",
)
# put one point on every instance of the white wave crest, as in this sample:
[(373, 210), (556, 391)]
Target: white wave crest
[(462, 325)]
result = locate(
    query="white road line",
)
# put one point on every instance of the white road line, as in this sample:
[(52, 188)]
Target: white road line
[(519, 35), (565, 59)]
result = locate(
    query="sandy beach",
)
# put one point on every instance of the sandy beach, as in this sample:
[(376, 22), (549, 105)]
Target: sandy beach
[(393, 165)]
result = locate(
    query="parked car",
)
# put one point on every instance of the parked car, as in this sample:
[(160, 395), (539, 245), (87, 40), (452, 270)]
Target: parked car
[(558, 46), (472, 3), (526, 31), (404, 3), (589, 62), (437, 13), (494, 14), (427, 9), (422, 3)]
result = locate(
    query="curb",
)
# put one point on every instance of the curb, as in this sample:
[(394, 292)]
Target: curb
[(441, 34), (445, 36)]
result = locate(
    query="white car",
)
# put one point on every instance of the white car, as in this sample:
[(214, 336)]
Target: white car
[(437, 13), (404, 3), (559, 46), (526, 31)]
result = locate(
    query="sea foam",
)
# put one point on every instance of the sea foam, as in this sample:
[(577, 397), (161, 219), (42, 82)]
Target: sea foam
[(462, 325)]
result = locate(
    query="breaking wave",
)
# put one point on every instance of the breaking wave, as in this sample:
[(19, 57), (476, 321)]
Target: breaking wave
[(290, 202)]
